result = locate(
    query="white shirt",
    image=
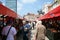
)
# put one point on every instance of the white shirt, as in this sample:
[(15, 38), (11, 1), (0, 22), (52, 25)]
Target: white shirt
[(11, 33)]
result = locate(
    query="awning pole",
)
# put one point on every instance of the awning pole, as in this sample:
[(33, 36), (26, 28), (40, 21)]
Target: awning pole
[(3, 20)]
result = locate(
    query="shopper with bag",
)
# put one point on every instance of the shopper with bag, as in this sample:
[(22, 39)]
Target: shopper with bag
[(9, 32)]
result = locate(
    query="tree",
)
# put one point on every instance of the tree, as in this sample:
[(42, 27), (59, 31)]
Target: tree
[(40, 12)]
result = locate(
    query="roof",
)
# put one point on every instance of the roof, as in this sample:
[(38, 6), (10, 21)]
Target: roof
[(6, 11)]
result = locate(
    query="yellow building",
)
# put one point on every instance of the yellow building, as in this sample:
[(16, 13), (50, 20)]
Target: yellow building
[(57, 1), (48, 7), (54, 5)]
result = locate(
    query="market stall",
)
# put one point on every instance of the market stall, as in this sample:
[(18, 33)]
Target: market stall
[(51, 21), (51, 14), (7, 14)]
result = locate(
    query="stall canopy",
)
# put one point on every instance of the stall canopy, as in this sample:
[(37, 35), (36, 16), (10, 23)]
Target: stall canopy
[(51, 14), (19, 17), (6, 11)]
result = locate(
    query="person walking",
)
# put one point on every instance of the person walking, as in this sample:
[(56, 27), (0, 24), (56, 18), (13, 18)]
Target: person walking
[(11, 31), (41, 31), (26, 31)]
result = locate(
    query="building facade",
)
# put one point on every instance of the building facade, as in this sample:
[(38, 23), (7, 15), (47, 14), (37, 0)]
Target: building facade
[(12, 4), (31, 17), (46, 8), (55, 4), (49, 7), (57, 1)]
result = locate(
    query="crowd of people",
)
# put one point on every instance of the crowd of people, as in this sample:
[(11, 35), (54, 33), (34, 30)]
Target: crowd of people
[(9, 32), (52, 24), (41, 30)]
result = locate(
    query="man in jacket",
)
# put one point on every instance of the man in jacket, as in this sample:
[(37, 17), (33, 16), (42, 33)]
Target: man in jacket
[(41, 31)]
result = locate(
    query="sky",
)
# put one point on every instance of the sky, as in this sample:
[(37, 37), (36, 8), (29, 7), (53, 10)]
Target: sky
[(30, 6)]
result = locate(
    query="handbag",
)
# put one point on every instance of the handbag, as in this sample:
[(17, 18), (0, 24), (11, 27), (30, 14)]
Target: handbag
[(5, 36)]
